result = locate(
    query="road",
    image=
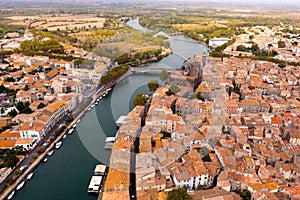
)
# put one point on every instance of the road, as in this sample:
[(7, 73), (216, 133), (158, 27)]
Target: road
[(95, 93), (26, 161)]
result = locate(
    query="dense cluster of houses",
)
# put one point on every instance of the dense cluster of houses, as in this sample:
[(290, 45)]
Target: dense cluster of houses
[(51, 87), (244, 133), (287, 45)]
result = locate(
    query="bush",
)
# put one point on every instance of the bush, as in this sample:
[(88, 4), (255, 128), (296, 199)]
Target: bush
[(179, 194), (153, 85), (114, 74), (140, 99), (164, 75), (40, 150)]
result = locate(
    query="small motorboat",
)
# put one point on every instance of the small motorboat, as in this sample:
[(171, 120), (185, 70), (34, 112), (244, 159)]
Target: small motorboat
[(10, 196), (50, 153), (58, 144), (71, 131), (20, 185), (29, 176)]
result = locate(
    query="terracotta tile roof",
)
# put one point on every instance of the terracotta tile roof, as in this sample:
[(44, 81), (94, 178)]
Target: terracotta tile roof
[(55, 106), (35, 126), (24, 141), (276, 120), (10, 134), (116, 179), (52, 73), (5, 144)]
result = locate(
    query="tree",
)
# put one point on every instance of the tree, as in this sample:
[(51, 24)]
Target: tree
[(174, 88), (9, 181), (26, 88), (41, 105), (13, 113), (241, 48), (281, 44), (295, 43), (10, 159), (23, 107), (270, 45), (245, 194), (40, 150), (200, 97), (153, 85), (164, 75), (10, 79), (167, 44), (69, 119), (140, 99), (122, 59), (179, 194)]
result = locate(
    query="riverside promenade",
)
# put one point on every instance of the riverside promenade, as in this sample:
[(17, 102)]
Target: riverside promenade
[(99, 92)]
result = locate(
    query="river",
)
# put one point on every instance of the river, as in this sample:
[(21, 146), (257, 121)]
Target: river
[(66, 174)]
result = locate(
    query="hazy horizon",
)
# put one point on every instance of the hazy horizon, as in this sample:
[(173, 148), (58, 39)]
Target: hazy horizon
[(294, 4)]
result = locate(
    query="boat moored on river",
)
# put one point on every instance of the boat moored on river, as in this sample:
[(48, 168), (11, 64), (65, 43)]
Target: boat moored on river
[(71, 131), (50, 153), (10, 196), (20, 185), (95, 183), (58, 144), (29, 176)]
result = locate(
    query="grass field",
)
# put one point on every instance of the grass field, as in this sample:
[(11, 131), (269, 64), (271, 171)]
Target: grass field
[(55, 22)]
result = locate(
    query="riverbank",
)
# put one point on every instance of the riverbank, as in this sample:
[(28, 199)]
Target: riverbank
[(41, 157), (84, 148)]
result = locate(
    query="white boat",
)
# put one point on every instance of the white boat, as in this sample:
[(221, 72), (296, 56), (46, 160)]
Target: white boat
[(71, 131), (104, 94), (64, 137), (29, 176), (58, 144), (100, 98), (20, 185), (93, 106), (50, 153), (46, 159), (11, 195), (78, 121), (74, 126), (89, 108), (96, 103)]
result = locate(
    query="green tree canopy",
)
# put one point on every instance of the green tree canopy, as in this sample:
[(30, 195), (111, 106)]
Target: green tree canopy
[(245, 194), (51, 46), (179, 194), (200, 97), (10, 159), (23, 107), (41, 105), (241, 48), (140, 99), (153, 85), (281, 44), (164, 75), (174, 88)]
